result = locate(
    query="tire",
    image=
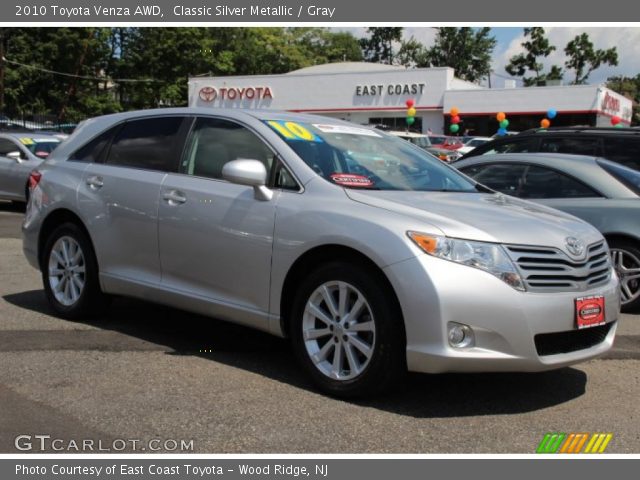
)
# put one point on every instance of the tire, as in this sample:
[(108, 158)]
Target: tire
[(371, 345), (71, 279), (625, 256)]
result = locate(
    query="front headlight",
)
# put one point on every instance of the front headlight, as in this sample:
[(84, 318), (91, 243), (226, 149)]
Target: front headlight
[(489, 257)]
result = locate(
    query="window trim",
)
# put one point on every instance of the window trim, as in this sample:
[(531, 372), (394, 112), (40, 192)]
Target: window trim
[(527, 165)]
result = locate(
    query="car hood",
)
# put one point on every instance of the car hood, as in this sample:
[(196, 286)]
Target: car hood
[(483, 217)]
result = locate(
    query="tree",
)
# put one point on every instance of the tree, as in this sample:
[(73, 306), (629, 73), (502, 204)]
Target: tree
[(378, 48), (466, 50), (536, 47), (412, 54), (584, 59)]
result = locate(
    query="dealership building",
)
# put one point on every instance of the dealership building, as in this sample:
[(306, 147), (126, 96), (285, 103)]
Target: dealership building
[(373, 94)]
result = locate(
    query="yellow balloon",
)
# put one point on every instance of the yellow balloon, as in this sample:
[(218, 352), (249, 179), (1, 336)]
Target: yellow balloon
[(411, 112)]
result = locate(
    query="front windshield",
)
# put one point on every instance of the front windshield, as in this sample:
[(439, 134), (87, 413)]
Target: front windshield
[(355, 157), (420, 141)]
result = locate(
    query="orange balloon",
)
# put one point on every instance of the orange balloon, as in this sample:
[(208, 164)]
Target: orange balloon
[(544, 123), (454, 111), (501, 116)]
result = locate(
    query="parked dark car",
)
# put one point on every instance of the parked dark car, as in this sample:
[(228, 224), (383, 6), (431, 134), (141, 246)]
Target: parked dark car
[(621, 145)]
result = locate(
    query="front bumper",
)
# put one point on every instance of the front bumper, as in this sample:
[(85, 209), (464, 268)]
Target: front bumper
[(434, 292)]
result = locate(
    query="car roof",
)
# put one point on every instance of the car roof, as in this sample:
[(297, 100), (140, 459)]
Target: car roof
[(399, 133), (582, 167), (582, 130), (29, 134)]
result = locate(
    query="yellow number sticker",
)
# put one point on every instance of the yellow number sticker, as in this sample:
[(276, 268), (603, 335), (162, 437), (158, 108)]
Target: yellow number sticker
[(293, 131), (26, 141)]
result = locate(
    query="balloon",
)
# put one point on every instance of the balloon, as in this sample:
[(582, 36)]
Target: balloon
[(455, 119), (410, 120), (454, 111), (502, 131), (504, 123), (411, 112), (501, 116), (551, 113), (544, 123), (615, 120), (619, 125), (410, 103), (454, 128)]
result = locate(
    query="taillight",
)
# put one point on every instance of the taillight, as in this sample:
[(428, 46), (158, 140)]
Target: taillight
[(34, 179)]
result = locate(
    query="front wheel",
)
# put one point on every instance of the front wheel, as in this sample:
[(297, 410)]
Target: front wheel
[(347, 331), (625, 257), (70, 273)]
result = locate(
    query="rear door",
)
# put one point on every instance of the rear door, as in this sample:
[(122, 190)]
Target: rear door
[(119, 196), (14, 173)]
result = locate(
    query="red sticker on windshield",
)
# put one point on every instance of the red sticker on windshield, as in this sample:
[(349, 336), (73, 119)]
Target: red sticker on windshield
[(350, 180)]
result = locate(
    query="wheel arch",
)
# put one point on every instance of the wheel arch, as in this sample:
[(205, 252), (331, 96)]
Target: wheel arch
[(322, 254), (54, 220)]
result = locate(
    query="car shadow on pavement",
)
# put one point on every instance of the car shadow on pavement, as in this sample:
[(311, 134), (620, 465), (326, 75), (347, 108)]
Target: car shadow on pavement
[(422, 396)]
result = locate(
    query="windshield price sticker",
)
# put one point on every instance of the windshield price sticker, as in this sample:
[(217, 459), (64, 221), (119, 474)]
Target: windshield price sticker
[(345, 129), (351, 180), (27, 141), (293, 131)]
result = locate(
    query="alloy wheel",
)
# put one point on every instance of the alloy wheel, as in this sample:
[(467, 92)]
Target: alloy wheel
[(66, 270), (627, 267)]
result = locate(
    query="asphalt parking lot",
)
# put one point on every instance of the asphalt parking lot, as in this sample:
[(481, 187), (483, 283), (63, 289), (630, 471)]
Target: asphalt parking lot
[(147, 372)]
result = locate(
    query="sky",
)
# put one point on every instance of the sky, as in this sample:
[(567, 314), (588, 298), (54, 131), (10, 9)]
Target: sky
[(625, 39)]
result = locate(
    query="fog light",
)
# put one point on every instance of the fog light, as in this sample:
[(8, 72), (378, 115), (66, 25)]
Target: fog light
[(460, 336)]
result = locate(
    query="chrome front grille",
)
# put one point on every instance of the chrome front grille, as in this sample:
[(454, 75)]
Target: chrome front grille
[(547, 269)]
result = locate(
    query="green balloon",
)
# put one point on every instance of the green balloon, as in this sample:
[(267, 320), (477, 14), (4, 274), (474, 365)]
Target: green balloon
[(619, 125), (410, 120), (504, 123), (454, 128)]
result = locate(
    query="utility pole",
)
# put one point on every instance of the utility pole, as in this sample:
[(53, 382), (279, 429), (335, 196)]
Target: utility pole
[(2, 70)]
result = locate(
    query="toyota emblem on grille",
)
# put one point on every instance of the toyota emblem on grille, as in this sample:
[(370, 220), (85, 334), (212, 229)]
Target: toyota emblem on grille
[(574, 246)]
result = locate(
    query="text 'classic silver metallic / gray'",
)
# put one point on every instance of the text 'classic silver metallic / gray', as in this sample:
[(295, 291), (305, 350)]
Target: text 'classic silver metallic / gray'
[(371, 255)]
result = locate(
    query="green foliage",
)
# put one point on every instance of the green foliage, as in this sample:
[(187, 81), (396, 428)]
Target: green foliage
[(378, 47), (537, 46), (122, 68), (584, 59), (466, 50)]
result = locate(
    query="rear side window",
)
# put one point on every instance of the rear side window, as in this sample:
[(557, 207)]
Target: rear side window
[(148, 143), (7, 146), (630, 178), (92, 151), (623, 150), (577, 145), (540, 182)]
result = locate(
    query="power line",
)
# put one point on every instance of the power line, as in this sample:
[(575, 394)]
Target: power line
[(82, 77)]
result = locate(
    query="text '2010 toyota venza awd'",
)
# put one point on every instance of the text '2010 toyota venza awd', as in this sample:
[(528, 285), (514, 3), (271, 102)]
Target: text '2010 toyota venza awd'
[(371, 255)]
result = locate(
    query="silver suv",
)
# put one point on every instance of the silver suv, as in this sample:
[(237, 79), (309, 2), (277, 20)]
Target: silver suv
[(371, 255)]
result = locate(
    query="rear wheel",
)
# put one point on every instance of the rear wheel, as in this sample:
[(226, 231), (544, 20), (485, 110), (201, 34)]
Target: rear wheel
[(625, 257), (70, 273), (347, 331)]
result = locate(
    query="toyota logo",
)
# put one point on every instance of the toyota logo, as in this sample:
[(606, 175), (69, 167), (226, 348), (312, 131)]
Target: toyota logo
[(208, 94), (574, 246)]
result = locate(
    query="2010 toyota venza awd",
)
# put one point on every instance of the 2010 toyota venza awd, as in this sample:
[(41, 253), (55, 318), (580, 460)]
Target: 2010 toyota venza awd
[(371, 255)]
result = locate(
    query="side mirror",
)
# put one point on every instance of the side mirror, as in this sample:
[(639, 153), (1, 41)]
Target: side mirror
[(248, 172), (16, 155)]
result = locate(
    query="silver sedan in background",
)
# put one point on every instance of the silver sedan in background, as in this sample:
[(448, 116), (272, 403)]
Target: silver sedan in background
[(601, 192), (20, 153)]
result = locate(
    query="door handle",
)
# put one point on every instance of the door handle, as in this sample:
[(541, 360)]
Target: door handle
[(95, 182), (174, 197)]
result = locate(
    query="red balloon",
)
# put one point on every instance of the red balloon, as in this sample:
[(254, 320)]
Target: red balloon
[(410, 103), (615, 120), (455, 119)]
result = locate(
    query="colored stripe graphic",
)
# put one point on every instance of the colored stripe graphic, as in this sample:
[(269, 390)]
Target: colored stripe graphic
[(573, 443)]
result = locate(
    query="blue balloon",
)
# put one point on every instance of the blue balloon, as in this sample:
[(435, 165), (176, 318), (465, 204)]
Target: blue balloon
[(502, 131), (551, 113)]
